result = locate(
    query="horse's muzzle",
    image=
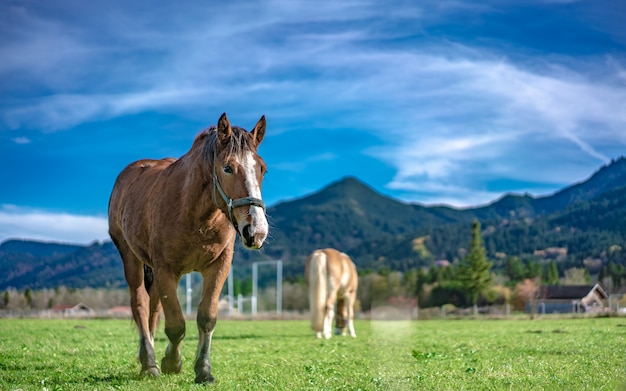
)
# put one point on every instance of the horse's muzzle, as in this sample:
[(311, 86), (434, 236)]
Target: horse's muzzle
[(252, 240)]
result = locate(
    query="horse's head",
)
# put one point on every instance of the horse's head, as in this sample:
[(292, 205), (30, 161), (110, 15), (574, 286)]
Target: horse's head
[(237, 175)]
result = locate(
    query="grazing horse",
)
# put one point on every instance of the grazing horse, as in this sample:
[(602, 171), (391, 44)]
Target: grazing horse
[(170, 217), (331, 277)]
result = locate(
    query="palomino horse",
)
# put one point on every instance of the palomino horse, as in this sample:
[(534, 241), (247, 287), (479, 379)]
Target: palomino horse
[(331, 277), (170, 217)]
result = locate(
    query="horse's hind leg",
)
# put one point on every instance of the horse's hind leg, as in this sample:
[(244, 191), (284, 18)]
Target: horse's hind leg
[(139, 303), (166, 284), (155, 301), (350, 299)]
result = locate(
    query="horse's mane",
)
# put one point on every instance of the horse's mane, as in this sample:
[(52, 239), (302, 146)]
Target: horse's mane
[(239, 142)]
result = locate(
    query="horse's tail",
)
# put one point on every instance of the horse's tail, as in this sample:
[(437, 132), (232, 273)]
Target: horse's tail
[(148, 277), (317, 288)]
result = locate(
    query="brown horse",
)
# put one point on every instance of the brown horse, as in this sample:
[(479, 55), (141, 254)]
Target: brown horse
[(170, 217), (332, 278)]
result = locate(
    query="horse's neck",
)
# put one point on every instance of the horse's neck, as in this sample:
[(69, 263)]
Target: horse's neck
[(197, 183)]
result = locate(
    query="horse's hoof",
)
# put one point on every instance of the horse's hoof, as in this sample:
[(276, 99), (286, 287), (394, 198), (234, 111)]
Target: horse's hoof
[(150, 372), (169, 366), (204, 378)]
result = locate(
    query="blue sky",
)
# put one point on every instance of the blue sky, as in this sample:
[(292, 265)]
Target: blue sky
[(437, 102)]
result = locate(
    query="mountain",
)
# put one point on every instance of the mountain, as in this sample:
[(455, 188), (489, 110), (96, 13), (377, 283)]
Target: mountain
[(37, 249), (345, 214), (604, 179), (44, 265), (585, 219)]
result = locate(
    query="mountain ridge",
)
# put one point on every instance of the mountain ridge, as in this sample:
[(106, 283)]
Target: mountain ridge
[(377, 230)]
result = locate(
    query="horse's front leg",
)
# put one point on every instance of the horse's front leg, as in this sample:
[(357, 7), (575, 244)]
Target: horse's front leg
[(166, 284), (341, 316), (329, 312), (139, 303), (213, 281)]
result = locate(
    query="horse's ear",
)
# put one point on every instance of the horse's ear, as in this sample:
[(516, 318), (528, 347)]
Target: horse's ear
[(224, 131), (259, 131)]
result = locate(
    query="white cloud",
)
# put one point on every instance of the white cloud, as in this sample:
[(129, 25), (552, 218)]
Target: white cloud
[(21, 140), (450, 117), (482, 119), (24, 223)]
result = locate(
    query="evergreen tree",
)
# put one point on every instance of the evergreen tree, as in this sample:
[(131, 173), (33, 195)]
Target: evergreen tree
[(514, 269), (616, 272), (236, 286), (474, 270), (552, 277), (28, 295), (533, 269), (421, 280)]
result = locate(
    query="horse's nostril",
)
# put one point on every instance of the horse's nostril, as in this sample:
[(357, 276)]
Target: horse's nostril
[(247, 235), (247, 232)]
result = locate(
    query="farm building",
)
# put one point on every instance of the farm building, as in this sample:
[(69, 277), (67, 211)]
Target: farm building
[(77, 309), (569, 298)]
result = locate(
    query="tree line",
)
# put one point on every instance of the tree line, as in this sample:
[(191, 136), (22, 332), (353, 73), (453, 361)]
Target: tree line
[(472, 280)]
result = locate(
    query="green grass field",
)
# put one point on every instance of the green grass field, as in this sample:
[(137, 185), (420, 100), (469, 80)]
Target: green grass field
[(545, 354)]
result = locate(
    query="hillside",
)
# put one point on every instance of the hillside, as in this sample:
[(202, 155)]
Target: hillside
[(586, 219), (346, 214), (37, 249), (606, 178), (96, 265)]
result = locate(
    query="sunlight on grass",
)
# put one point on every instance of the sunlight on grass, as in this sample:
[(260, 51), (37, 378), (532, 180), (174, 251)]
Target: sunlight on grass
[(573, 354)]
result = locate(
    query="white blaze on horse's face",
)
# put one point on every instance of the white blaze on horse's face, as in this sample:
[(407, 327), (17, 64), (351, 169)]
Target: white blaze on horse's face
[(253, 225)]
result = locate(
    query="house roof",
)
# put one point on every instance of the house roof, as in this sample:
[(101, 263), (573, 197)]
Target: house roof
[(76, 307), (569, 292)]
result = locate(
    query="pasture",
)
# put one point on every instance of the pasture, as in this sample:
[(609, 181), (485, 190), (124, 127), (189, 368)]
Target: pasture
[(543, 354)]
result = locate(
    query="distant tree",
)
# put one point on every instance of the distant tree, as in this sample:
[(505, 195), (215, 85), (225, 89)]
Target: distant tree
[(533, 269), (449, 273), (576, 276), (395, 284), (28, 295), (450, 292), (552, 276), (236, 286), (372, 291), (617, 273), (7, 297), (421, 279), (614, 252), (409, 283), (514, 269), (246, 287), (474, 270), (434, 275), (384, 271)]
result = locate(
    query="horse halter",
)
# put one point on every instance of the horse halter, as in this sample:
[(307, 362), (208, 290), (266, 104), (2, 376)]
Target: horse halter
[(230, 203)]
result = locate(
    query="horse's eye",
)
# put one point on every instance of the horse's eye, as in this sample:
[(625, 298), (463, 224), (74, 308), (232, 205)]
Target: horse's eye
[(228, 169)]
